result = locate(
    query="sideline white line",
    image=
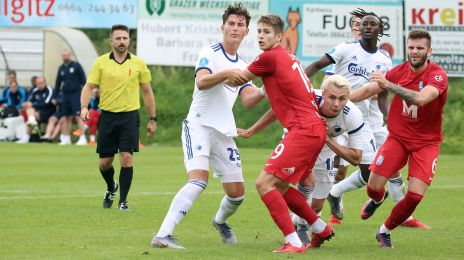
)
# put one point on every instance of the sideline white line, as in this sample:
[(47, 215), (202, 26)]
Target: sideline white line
[(90, 195)]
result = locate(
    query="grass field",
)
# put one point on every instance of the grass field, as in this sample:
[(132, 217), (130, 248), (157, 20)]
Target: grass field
[(50, 204)]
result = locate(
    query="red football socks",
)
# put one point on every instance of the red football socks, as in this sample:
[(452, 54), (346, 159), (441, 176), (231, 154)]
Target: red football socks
[(376, 196), (298, 205), (278, 210), (403, 210)]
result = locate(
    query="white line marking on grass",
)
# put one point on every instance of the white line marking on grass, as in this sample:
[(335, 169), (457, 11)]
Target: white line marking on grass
[(447, 187), (166, 193), (87, 195)]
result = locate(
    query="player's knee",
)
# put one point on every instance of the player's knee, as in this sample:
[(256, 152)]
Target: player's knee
[(106, 164), (365, 172), (413, 198), (317, 207), (341, 174), (126, 159)]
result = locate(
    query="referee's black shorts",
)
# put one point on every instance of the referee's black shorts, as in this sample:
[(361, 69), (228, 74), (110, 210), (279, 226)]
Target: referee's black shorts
[(118, 132)]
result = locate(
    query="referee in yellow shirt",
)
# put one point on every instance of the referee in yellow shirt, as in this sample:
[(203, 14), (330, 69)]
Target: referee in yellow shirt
[(120, 75)]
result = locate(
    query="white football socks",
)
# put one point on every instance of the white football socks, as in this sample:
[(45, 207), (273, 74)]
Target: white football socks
[(227, 208), (180, 205), (293, 239), (396, 188), (353, 182), (318, 226), (384, 229)]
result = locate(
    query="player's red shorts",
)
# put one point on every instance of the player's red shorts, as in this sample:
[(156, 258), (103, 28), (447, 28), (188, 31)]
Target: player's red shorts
[(395, 153), (296, 154)]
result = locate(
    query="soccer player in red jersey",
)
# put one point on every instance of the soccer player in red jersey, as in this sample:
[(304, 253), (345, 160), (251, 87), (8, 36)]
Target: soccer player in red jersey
[(293, 103), (414, 122)]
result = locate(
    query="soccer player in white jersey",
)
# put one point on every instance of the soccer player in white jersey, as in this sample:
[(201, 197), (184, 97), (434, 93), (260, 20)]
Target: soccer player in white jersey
[(340, 166), (208, 130), (342, 116), (357, 60)]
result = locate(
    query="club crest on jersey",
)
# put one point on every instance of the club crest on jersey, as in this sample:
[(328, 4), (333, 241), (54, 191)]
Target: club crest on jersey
[(358, 70), (336, 129), (421, 85), (203, 62)]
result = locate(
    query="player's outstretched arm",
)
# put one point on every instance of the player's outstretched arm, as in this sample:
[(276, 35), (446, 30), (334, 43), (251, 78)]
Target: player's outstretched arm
[(422, 98), (365, 92), (314, 67), (86, 93), (262, 122), (206, 80), (149, 99), (351, 155)]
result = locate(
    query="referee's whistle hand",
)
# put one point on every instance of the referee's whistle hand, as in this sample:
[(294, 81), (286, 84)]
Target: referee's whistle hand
[(151, 129), (85, 114)]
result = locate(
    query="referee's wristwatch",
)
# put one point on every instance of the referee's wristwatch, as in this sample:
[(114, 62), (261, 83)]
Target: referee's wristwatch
[(153, 118)]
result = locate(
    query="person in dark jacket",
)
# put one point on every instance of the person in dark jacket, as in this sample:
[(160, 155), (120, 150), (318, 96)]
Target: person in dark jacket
[(70, 79)]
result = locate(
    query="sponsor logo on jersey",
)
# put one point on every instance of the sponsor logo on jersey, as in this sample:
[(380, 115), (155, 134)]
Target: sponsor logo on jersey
[(288, 171), (409, 111), (379, 160), (359, 70)]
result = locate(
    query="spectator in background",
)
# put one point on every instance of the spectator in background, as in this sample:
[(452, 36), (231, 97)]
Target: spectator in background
[(11, 78), (32, 87), (94, 116), (55, 122), (70, 79), (14, 95), (39, 107)]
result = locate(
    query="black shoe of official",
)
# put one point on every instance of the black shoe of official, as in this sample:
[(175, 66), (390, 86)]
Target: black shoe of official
[(109, 197), (123, 206)]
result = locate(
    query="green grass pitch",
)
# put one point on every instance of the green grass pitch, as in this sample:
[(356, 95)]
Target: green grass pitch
[(51, 196)]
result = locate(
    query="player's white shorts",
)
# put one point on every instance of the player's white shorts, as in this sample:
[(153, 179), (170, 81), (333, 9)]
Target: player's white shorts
[(380, 135), (323, 175), (321, 189), (205, 145)]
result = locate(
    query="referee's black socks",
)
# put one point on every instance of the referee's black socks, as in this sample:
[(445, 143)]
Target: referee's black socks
[(108, 175), (125, 180)]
